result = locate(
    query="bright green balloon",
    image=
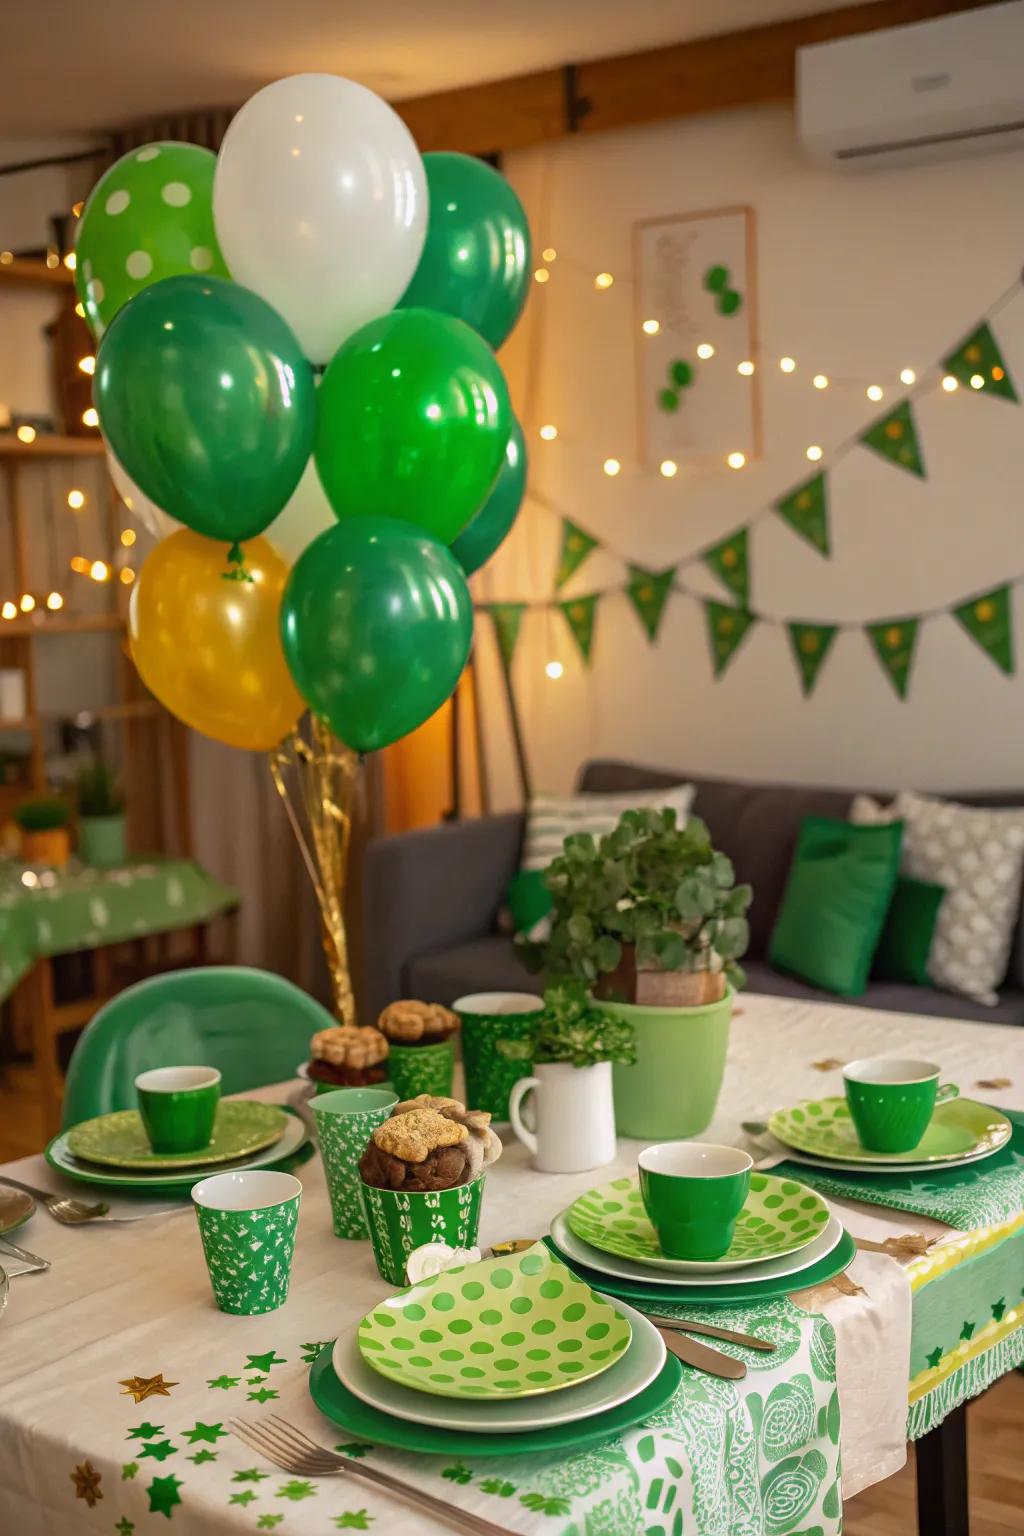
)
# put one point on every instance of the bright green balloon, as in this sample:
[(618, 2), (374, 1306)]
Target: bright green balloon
[(208, 403), (412, 420), (476, 260), (478, 541), (376, 624), (149, 217)]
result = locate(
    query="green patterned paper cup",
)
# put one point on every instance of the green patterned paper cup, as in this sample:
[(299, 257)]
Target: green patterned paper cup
[(403, 1220), (493, 1024), (418, 1069), (247, 1222), (345, 1120)]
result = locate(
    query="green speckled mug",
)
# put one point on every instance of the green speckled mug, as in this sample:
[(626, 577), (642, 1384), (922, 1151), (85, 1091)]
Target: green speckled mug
[(892, 1100)]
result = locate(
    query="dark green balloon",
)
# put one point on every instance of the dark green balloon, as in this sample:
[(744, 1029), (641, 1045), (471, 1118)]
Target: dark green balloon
[(376, 624), (478, 541), (207, 401), (476, 259), (412, 419)]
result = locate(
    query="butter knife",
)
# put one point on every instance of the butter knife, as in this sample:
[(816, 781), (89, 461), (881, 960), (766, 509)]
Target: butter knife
[(712, 1361), (712, 1331)]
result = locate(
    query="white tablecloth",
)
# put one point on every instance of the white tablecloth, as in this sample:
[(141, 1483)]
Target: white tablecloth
[(120, 1304)]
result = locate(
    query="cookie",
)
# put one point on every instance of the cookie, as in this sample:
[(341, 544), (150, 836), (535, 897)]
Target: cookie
[(412, 1137), (408, 1022)]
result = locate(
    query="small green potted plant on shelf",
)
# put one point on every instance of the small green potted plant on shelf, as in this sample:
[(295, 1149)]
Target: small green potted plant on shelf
[(101, 820), (651, 920), (43, 824), (572, 1045)]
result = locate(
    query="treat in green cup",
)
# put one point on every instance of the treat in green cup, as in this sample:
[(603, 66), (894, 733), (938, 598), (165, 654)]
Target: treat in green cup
[(693, 1191), (497, 1032), (345, 1119), (416, 1069), (178, 1106), (401, 1220), (247, 1223)]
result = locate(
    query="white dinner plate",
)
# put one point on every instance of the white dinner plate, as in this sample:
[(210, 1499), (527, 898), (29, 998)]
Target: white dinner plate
[(625, 1269), (291, 1138), (637, 1368)]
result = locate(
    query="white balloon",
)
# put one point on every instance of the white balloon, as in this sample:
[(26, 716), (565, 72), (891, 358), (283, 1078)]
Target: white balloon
[(152, 518), (320, 205), (305, 515)]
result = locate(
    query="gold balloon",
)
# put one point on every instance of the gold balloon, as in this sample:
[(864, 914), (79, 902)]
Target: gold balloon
[(204, 636)]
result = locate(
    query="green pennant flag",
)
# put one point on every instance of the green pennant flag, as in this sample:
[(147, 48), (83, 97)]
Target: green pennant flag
[(894, 643), (977, 358), (506, 618), (805, 509), (648, 592), (895, 437), (989, 619), (579, 615), (726, 628), (810, 644), (576, 546), (728, 561)]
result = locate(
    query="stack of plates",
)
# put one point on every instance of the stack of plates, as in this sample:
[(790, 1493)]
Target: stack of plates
[(820, 1133), (513, 1350), (113, 1150), (786, 1238)]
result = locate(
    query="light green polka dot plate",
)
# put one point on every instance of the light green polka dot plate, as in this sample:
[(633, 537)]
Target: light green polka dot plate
[(119, 1140), (503, 1328), (780, 1216), (959, 1129)]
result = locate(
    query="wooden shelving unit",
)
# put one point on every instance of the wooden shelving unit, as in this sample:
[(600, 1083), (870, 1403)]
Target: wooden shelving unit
[(45, 446), (19, 273)]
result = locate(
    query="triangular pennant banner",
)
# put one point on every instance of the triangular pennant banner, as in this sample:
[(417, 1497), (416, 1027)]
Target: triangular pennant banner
[(579, 615), (726, 628), (805, 509), (978, 363), (989, 619), (576, 546), (810, 644), (894, 643), (895, 438), (506, 618), (729, 562), (648, 591)]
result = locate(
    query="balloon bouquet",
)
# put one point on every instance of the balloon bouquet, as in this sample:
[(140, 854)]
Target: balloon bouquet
[(298, 391)]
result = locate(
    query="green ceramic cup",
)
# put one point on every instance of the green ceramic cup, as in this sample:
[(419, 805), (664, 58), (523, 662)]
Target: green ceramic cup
[(401, 1221), (693, 1191), (494, 1024), (417, 1069), (178, 1106), (892, 1100), (247, 1223), (345, 1120)]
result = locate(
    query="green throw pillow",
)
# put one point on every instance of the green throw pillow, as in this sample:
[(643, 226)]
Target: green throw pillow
[(903, 949), (529, 901), (838, 892)]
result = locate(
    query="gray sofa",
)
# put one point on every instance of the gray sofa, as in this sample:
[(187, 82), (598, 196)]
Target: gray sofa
[(432, 897)]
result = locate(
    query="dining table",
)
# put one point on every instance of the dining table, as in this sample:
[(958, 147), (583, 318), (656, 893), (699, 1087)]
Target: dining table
[(119, 1378)]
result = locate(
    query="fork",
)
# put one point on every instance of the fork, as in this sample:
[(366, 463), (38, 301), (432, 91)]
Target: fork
[(288, 1448), (31, 1262)]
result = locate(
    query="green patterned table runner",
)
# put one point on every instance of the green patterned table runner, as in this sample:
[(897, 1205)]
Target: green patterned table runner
[(974, 1195), (81, 908)]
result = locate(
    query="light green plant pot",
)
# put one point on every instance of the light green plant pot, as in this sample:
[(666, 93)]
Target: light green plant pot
[(416, 1069), (671, 1092), (101, 840)]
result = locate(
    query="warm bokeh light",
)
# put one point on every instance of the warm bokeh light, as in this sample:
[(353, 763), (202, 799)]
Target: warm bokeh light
[(79, 564), (612, 466), (91, 417), (54, 602), (541, 275), (787, 364), (76, 500), (549, 253), (908, 376), (549, 433), (128, 537), (651, 327), (668, 468), (977, 381), (26, 434), (736, 460), (99, 570), (27, 603), (603, 280), (814, 452), (87, 364), (874, 391), (820, 381), (705, 350), (949, 384), (554, 669), (9, 610), (746, 367), (80, 310), (127, 576), (71, 261)]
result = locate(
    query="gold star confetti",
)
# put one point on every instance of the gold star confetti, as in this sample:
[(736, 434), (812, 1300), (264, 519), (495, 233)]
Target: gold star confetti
[(827, 1064), (141, 1387), (87, 1483)]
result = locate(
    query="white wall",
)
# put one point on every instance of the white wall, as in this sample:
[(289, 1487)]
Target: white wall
[(859, 273)]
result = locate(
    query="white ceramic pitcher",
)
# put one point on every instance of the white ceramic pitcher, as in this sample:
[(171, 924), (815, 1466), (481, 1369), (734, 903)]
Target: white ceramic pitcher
[(574, 1115)]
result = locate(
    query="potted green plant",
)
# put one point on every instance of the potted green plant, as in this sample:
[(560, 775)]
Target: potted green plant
[(101, 821), (43, 824), (573, 1045), (651, 920)]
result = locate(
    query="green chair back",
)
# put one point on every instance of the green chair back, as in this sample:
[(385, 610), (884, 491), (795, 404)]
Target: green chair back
[(254, 1026)]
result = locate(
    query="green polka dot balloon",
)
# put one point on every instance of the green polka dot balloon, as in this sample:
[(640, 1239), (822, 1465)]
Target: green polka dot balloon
[(149, 217), (506, 1327)]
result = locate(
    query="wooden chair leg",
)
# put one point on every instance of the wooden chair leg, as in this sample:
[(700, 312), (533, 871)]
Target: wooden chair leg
[(44, 1045), (942, 1508)]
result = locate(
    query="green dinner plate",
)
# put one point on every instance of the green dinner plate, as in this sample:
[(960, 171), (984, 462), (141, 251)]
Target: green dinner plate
[(15, 1209), (507, 1327), (780, 1216), (241, 1127), (959, 1128), (712, 1295), (339, 1405)]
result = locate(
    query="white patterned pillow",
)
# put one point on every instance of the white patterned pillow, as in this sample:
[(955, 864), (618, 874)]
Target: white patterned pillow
[(978, 855), (551, 818)]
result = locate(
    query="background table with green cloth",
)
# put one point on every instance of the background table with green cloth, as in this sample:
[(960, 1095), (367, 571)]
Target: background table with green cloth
[(55, 912)]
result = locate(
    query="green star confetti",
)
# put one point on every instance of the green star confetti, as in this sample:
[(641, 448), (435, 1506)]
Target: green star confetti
[(252, 1475), (211, 1433), (353, 1448), (128, 1471), (163, 1495), (124, 1527), (243, 1498), (201, 1456), (296, 1490), (159, 1450), (935, 1356), (267, 1522), (353, 1520), (262, 1395), (145, 1431), (224, 1382), (264, 1362), (310, 1351)]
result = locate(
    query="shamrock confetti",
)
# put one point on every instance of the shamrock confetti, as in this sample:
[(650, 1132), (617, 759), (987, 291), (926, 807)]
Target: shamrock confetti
[(267, 1522), (458, 1474), (201, 1456), (208, 1432), (544, 1506), (296, 1490), (353, 1520), (87, 1483), (263, 1362), (243, 1498), (498, 1487), (310, 1351), (158, 1450), (163, 1494), (124, 1527), (129, 1470), (224, 1382), (141, 1387), (253, 1475)]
